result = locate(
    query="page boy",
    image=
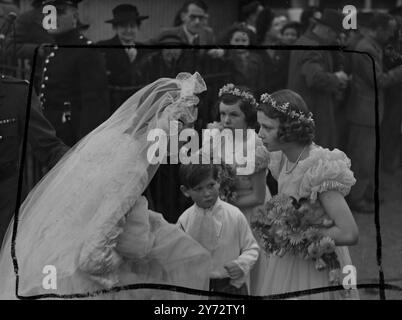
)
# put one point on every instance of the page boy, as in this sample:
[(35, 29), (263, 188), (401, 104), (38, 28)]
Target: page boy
[(220, 227)]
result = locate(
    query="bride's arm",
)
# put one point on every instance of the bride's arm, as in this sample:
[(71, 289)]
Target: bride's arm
[(136, 240), (345, 231), (257, 196)]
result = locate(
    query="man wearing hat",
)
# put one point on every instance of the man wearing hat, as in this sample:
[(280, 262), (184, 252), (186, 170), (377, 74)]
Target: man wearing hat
[(29, 33), (123, 63), (312, 75), (74, 83)]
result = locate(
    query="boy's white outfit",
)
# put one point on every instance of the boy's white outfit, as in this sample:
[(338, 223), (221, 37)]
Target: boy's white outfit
[(224, 231)]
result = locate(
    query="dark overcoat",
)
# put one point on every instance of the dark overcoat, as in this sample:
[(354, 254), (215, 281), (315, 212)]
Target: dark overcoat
[(74, 91), (311, 74)]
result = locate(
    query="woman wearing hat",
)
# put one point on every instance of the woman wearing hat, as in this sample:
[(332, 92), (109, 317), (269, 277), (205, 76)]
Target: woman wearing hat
[(122, 63)]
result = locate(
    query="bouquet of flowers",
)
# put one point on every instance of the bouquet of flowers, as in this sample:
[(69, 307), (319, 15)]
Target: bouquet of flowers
[(286, 225), (215, 125)]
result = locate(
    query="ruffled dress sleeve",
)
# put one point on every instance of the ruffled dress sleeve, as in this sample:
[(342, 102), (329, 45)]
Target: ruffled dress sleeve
[(326, 170)]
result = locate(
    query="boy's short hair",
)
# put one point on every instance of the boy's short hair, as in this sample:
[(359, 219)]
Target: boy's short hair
[(192, 175)]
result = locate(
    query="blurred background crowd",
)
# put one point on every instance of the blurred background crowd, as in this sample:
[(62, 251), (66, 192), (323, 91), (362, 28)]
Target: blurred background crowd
[(81, 87)]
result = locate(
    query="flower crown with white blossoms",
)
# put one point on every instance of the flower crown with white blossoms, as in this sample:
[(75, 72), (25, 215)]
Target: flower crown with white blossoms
[(284, 108), (231, 89)]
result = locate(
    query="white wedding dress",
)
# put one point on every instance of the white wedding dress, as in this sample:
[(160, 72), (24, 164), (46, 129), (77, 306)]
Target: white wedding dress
[(88, 220)]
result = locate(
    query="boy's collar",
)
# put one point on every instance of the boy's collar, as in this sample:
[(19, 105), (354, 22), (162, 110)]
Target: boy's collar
[(212, 209)]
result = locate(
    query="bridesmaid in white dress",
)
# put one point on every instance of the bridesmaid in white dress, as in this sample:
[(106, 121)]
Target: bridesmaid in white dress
[(305, 170), (238, 110)]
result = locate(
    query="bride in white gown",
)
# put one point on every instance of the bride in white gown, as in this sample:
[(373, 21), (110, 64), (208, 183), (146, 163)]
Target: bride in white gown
[(87, 217)]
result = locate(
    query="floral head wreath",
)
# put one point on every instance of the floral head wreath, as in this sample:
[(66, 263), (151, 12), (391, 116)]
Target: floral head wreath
[(231, 89), (284, 108)]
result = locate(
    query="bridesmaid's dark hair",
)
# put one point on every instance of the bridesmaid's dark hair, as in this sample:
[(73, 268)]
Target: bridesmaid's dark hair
[(249, 110), (290, 129)]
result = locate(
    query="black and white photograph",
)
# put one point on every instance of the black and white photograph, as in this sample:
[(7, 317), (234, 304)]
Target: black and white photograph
[(201, 150)]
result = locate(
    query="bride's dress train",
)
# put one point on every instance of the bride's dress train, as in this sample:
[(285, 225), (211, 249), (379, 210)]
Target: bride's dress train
[(88, 220)]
